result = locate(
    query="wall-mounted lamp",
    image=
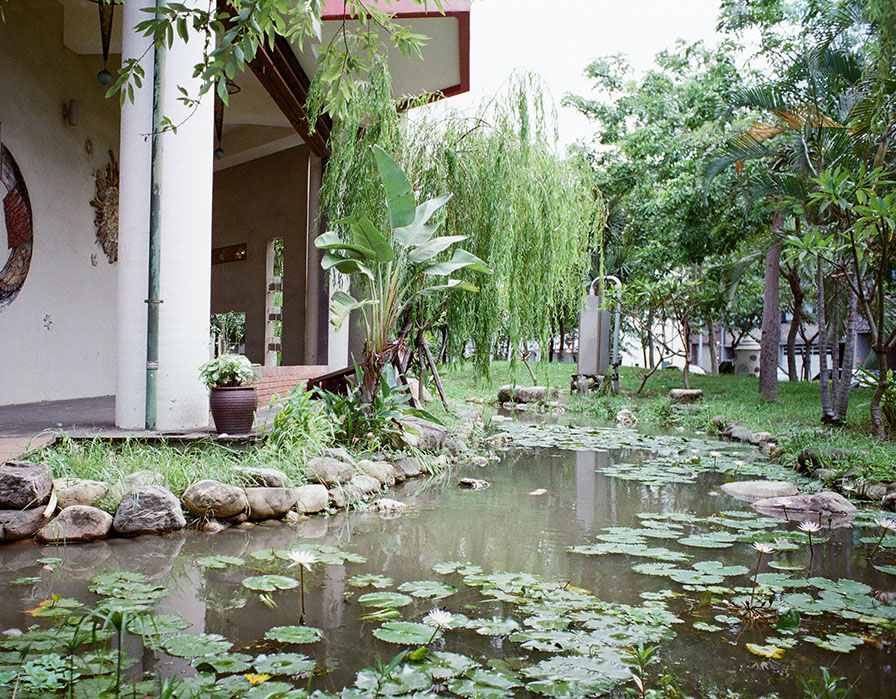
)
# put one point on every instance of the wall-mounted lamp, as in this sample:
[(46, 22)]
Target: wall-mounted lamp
[(70, 112)]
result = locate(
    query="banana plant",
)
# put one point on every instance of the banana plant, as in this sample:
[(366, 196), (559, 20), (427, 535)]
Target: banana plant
[(392, 268)]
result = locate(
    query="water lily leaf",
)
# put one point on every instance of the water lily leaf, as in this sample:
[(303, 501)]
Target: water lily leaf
[(407, 633), (575, 676), (370, 580), (284, 664), (194, 645), (484, 684), (712, 540), (890, 570), (380, 615), (384, 600), (662, 569), (294, 634), (496, 626), (49, 561), (269, 583), (788, 621), (125, 585), (442, 665), (844, 586), (781, 565), (156, 625), (779, 580), (766, 651), (463, 568), (727, 619), (219, 561), (407, 680), (703, 626), (718, 568), (224, 663), (428, 589), (837, 642), (30, 580)]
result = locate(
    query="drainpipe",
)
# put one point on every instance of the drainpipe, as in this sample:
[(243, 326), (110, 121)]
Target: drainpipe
[(153, 301)]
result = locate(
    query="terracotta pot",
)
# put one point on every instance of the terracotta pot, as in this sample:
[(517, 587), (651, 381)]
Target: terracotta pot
[(233, 409)]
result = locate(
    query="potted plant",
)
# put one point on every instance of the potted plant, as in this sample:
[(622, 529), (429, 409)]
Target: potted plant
[(232, 399)]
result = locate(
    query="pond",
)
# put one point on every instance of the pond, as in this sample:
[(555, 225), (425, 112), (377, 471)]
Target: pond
[(588, 542)]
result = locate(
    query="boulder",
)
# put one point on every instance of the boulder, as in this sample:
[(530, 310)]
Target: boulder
[(149, 509), (24, 484), (213, 526), (387, 508), (473, 483), (209, 498), (875, 491), (479, 461), (409, 466), (826, 503), (812, 457), (624, 418), (79, 491), (423, 434), (889, 501), (824, 474), (527, 394), (685, 395), (327, 470), (739, 433), (380, 470), (337, 498), (759, 490), (270, 503), (398, 473), (262, 477), (20, 524), (758, 438), (419, 392), (361, 485), (311, 498), (499, 440), (340, 454), (75, 524)]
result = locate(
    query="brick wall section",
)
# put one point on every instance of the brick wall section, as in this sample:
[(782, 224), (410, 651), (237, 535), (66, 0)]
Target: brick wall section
[(280, 380)]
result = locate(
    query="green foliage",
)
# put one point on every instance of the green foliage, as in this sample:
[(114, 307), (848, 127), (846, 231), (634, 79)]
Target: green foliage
[(227, 370)]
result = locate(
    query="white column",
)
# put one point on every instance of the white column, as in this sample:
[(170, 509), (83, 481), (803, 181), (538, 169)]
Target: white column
[(183, 182), (135, 163)]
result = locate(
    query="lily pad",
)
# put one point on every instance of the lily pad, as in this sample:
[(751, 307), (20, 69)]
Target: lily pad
[(219, 562), (460, 567), (766, 651), (294, 634), (712, 540), (495, 626), (194, 645), (408, 633), (484, 684), (837, 642), (224, 663), (575, 676), (384, 600), (284, 664), (370, 580), (428, 589), (269, 583)]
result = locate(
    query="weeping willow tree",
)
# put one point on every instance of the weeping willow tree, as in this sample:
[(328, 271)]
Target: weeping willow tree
[(533, 216)]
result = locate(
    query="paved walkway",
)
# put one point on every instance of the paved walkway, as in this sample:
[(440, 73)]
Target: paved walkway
[(29, 426)]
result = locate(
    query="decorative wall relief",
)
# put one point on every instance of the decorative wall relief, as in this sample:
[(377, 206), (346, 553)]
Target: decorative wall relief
[(106, 204), (19, 228)]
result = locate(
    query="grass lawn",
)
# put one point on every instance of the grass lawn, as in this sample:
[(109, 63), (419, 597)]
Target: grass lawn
[(795, 417)]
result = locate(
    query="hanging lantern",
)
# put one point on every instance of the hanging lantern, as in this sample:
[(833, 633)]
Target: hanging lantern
[(232, 89), (107, 12)]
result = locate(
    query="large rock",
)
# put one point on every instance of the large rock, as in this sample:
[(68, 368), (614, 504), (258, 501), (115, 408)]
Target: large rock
[(409, 466), (75, 524), (419, 392), (79, 491), (428, 436), (527, 394), (759, 438), (340, 454), (24, 484), (361, 485), (624, 418), (209, 498), (685, 395), (739, 433), (20, 524), (149, 509), (311, 498), (826, 503), (327, 470), (759, 490), (387, 508), (262, 477), (380, 470), (270, 503)]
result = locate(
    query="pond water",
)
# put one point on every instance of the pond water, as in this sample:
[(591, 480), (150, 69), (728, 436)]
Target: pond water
[(653, 533)]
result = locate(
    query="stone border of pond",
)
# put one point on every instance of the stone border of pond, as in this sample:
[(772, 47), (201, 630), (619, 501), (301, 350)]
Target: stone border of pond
[(64, 510)]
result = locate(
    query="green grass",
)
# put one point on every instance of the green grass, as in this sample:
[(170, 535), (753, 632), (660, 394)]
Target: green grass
[(795, 417)]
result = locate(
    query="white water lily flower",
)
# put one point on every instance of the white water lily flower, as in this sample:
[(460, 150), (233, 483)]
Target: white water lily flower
[(739, 463), (888, 524), (306, 559), (439, 618), (809, 527), (763, 548), (715, 454)]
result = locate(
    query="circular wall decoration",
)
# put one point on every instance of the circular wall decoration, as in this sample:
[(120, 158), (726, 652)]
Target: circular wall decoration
[(19, 228)]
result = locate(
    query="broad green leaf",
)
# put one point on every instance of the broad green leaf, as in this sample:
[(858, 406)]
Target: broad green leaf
[(294, 634), (407, 633), (365, 234), (461, 259), (399, 196), (429, 250), (332, 241), (342, 304), (461, 284), (417, 232)]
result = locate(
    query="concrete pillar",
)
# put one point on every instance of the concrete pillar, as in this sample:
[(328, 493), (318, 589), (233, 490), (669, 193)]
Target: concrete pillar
[(338, 340), (135, 163), (316, 299), (183, 197)]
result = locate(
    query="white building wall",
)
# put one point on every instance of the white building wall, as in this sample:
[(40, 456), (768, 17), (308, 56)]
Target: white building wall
[(58, 337)]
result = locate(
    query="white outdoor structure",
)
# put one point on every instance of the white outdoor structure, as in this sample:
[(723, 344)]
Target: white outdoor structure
[(77, 326)]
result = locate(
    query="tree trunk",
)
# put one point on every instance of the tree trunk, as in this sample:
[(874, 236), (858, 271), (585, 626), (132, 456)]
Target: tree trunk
[(835, 352), (877, 422), (713, 353), (823, 348), (650, 338), (793, 279), (841, 398), (686, 327), (770, 339)]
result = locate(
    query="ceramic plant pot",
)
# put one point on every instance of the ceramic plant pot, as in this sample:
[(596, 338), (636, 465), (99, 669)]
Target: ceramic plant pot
[(233, 409)]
